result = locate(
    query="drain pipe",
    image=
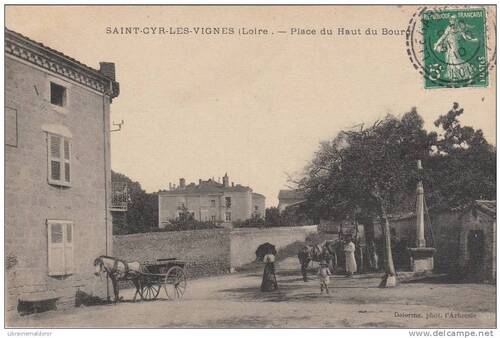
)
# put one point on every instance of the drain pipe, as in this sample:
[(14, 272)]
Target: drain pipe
[(105, 184)]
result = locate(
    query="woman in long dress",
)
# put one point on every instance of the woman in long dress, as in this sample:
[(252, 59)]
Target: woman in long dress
[(269, 282), (350, 260)]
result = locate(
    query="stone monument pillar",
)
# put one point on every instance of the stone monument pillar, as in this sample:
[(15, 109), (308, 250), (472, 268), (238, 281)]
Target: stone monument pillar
[(422, 257)]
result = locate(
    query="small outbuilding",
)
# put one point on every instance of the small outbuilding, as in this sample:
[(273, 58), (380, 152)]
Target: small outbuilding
[(464, 238)]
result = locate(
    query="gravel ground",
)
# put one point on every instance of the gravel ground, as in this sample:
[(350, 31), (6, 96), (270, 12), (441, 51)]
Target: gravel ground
[(235, 301)]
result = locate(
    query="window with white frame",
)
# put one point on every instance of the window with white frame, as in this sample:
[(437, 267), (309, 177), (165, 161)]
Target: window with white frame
[(228, 216), (60, 247), (59, 159)]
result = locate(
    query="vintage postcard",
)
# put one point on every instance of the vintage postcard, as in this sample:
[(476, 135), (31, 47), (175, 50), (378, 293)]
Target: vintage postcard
[(258, 166)]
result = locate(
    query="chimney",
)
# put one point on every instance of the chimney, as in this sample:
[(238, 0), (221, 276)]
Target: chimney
[(107, 69), (182, 183), (199, 181), (225, 180)]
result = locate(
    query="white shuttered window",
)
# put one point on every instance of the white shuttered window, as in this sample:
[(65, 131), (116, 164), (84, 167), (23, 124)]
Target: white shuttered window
[(59, 159), (60, 247)]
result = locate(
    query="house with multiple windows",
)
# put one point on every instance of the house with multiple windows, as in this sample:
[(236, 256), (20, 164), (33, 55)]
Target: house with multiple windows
[(209, 200), (57, 174), (289, 197)]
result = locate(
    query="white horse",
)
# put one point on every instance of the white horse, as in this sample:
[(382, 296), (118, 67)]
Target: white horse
[(119, 270)]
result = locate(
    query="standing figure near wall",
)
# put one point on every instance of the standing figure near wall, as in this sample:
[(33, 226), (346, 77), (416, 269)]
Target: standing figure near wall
[(269, 282), (350, 260)]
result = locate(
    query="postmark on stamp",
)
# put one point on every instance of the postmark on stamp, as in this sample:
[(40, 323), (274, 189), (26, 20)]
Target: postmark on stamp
[(449, 47)]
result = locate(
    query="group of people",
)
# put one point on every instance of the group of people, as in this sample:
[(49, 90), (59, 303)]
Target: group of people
[(351, 267), (269, 282)]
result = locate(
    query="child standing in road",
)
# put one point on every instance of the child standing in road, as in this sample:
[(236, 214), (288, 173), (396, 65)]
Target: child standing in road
[(324, 276)]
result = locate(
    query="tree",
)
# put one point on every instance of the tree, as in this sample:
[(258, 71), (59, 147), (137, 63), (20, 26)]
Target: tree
[(273, 216), (463, 167), (187, 221), (288, 217), (365, 172), (142, 208), (371, 172)]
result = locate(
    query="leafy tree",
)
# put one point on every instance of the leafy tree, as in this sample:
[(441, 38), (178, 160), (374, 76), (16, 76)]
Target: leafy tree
[(186, 221), (463, 167), (255, 221), (371, 172), (272, 216), (142, 209), (364, 173)]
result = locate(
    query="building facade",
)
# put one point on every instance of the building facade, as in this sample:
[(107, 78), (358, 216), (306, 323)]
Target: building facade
[(289, 197), (57, 174), (210, 201), (464, 238)]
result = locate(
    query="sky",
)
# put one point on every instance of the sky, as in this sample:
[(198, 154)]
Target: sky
[(254, 106)]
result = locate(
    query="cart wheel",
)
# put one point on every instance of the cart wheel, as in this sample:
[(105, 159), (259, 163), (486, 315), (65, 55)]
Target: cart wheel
[(175, 282), (150, 291)]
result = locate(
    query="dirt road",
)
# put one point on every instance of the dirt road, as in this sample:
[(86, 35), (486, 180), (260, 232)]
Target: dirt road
[(235, 301)]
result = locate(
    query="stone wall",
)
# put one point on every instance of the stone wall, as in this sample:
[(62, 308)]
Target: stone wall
[(205, 251), (245, 241)]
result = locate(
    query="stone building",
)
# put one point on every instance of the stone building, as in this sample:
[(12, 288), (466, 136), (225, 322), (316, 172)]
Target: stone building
[(289, 197), (209, 200), (57, 175), (464, 238)]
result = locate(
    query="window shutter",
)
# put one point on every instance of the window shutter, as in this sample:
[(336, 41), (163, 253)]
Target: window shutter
[(59, 154), (55, 248), (55, 157), (67, 160), (66, 149), (68, 249)]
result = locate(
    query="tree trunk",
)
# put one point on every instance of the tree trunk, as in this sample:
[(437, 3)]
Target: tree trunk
[(389, 279)]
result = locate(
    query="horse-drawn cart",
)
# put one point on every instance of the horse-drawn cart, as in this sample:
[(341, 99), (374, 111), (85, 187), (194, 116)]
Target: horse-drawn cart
[(149, 277), (167, 274)]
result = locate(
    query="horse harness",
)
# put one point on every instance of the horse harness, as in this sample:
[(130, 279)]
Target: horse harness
[(114, 271)]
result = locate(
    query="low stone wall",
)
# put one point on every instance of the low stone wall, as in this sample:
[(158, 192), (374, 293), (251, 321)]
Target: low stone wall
[(205, 251), (245, 241)]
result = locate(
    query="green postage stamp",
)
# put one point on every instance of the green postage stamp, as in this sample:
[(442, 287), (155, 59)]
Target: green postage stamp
[(454, 48)]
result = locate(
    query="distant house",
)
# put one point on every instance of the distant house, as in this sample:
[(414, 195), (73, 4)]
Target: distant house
[(57, 174), (221, 203), (289, 197), (464, 238)]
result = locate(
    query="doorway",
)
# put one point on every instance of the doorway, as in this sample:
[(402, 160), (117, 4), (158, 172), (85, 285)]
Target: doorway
[(475, 248)]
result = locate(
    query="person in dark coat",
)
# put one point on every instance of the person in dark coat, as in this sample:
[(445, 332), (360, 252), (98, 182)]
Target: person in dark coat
[(269, 282)]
